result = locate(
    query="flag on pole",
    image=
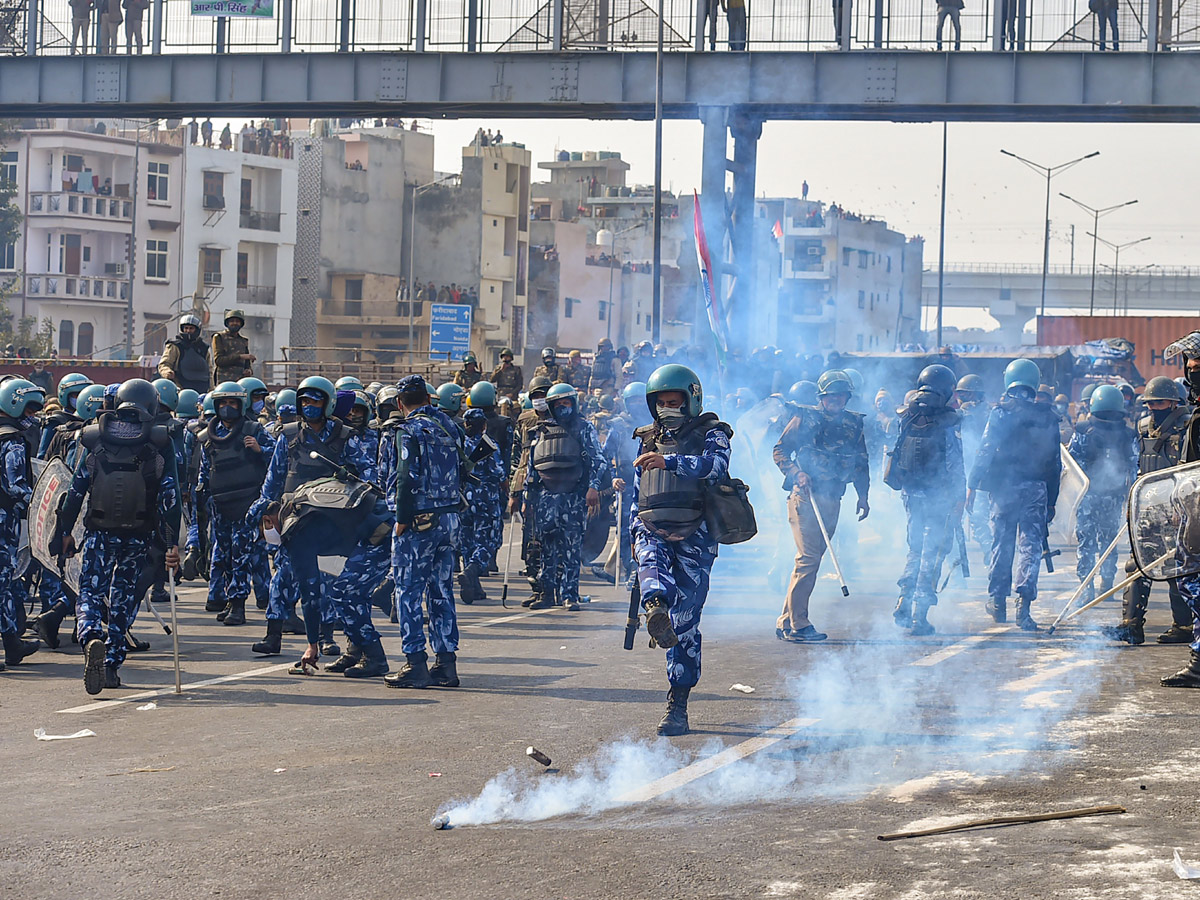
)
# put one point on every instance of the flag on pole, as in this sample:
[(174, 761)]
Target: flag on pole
[(712, 303), (777, 231)]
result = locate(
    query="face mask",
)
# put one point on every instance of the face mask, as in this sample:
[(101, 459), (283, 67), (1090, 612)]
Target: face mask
[(258, 405), (272, 537), (234, 329), (229, 413), (669, 417), (71, 401), (564, 414), (1061, 408), (1193, 378), (312, 413), (27, 422), (540, 404), (1160, 415)]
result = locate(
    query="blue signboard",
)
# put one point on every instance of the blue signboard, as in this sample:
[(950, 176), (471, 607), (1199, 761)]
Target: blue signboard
[(449, 330)]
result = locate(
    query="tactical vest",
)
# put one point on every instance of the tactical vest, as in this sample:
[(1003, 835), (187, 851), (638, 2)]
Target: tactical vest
[(919, 457), (437, 465), (508, 379), (236, 472), (193, 370), (10, 431), (500, 430), (302, 468), (1161, 447), (672, 506), (1027, 446), (123, 498), (602, 373), (833, 455), (558, 458), (1107, 447), (63, 439)]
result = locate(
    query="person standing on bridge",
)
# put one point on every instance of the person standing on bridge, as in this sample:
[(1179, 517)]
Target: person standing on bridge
[(735, 15), (949, 9), (1106, 14)]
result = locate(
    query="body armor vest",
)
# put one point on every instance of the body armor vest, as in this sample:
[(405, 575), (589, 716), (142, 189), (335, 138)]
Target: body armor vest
[(301, 467), (558, 459), (919, 457), (193, 370), (123, 498), (1107, 448), (237, 472), (671, 506), (1161, 447)]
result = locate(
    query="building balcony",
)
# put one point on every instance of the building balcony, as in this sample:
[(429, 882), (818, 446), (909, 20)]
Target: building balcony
[(80, 206), (256, 294), (76, 287), (370, 312), (803, 269), (259, 220)]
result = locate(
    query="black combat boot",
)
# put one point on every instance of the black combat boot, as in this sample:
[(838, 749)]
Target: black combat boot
[(531, 599), (903, 613), (346, 660), (47, 624), (920, 621), (1176, 634), (1130, 631), (414, 674), (111, 678), (660, 629), (236, 614), (16, 649), (469, 588), (1024, 620), (293, 624), (675, 722), (272, 644), (225, 610), (134, 644), (327, 644), (371, 664), (546, 599), (1188, 676), (190, 568), (93, 665), (159, 596), (997, 608), (445, 671), (215, 605)]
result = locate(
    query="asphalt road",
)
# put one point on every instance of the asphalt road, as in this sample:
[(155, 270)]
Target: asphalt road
[(282, 786)]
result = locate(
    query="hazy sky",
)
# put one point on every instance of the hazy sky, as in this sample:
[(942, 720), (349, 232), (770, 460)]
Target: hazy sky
[(995, 205)]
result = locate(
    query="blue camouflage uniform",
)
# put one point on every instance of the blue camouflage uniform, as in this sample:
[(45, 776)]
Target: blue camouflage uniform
[(1107, 451), (561, 517), (620, 450), (481, 522), (15, 493), (1018, 464), (678, 571), (423, 483)]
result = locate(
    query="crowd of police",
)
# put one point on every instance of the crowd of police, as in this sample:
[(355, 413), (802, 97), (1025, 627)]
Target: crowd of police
[(409, 483)]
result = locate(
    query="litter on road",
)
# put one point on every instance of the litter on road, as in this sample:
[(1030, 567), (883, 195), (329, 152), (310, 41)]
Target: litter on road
[(40, 734), (1007, 820)]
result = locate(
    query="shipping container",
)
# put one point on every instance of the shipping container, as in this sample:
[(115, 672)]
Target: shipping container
[(1148, 334)]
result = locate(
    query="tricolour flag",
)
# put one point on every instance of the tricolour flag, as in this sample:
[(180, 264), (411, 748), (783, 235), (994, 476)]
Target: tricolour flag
[(712, 303), (777, 231)]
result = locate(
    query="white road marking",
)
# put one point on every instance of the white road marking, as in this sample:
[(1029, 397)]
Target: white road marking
[(703, 767), (945, 653), (503, 619)]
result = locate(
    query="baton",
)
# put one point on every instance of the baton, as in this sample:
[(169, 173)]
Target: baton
[(825, 534), (1120, 587), (174, 630), (1092, 574), (620, 525), (508, 557), (343, 473), (154, 612)]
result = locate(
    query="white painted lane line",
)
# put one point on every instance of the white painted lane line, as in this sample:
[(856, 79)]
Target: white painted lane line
[(503, 619), (703, 767), (945, 653)]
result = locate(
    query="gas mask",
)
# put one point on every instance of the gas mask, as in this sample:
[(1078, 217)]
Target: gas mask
[(1060, 408), (670, 417)]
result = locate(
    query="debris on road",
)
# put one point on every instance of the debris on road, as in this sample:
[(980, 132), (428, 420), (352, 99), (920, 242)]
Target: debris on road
[(1007, 820), (145, 770), (744, 688), (277, 771), (1184, 870), (40, 734), (442, 823), (435, 774), (146, 706), (538, 756)]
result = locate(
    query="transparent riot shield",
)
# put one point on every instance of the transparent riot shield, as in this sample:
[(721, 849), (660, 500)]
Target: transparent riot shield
[(1071, 488), (1164, 522)]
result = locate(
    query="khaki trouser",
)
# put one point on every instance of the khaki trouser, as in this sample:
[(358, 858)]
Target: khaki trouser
[(108, 33), (810, 547)]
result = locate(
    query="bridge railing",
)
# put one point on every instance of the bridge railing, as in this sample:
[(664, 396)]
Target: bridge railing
[(588, 25)]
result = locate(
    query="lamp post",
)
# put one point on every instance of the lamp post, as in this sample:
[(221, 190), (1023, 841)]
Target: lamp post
[(1116, 249), (1049, 172), (656, 305), (1096, 214), (612, 252), (137, 150), (412, 243)]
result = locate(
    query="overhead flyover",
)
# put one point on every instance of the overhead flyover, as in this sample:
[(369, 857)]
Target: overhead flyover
[(900, 86)]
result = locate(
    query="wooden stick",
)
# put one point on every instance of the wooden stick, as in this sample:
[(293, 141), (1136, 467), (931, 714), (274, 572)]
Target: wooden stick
[(1007, 820)]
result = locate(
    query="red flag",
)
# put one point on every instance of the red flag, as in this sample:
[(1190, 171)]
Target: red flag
[(777, 231), (712, 303)]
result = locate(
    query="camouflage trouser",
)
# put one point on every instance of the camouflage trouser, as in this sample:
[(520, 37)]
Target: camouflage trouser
[(423, 564), (260, 569), (1189, 588), (677, 571), (1018, 520), (349, 594), (111, 565), (10, 594), (928, 527), (1097, 521), (282, 602), (232, 557), (482, 526), (559, 526)]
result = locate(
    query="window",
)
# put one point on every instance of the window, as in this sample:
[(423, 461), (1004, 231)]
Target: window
[(648, 323), (66, 337), (211, 262), (247, 193), (243, 272), (859, 342), (86, 338), (214, 190), (354, 288), (862, 302), (872, 300), (570, 307), (156, 181), (889, 263), (8, 167), (87, 254), (156, 260), (846, 256), (603, 310), (8, 257), (862, 258)]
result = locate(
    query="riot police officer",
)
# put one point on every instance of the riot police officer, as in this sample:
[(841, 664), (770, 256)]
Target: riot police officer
[(482, 525), (69, 387), (507, 377), (606, 368), (128, 477), (680, 451), (971, 401), (563, 481), (549, 367), (820, 451), (185, 357), (20, 401), (577, 373), (231, 355), (450, 398), (537, 411), (256, 400), (499, 427), (1018, 463), (469, 375), (926, 466), (643, 362)]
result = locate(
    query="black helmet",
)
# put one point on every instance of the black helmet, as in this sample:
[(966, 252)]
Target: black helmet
[(548, 353), (937, 379), (972, 384), (804, 393), (540, 383), (138, 394), (1160, 387)]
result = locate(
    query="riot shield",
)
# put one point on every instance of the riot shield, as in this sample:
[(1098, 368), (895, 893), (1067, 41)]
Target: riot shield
[(1164, 522), (43, 517), (1072, 486)]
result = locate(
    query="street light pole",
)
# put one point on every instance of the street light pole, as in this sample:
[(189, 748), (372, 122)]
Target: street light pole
[(1049, 172), (656, 304), (1096, 214), (1117, 248)]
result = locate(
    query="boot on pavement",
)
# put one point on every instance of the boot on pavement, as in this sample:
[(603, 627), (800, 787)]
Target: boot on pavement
[(47, 624), (1130, 631), (236, 613), (920, 622), (371, 664), (1024, 619), (997, 608), (16, 649), (347, 660), (1188, 676), (111, 678), (902, 614), (1176, 634), (414, 673), (272, 644), (675, 722), (444, 672), (327, 644)]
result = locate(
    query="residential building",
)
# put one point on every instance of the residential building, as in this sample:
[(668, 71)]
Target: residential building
[(836, 281)]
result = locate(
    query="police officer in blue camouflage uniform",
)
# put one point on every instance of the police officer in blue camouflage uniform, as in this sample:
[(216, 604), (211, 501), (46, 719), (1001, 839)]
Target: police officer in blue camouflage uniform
[(69, 387), (234, 450), (500, 429), (129, 480), (535, 410), (566, 466), (20, 400), (320, 533), (682, 449), (424, 480), (482, 492), (1107, 451), (926, 466), (1018, 464)]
